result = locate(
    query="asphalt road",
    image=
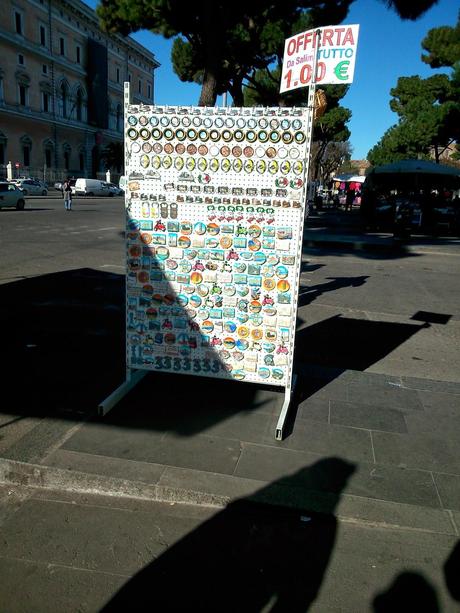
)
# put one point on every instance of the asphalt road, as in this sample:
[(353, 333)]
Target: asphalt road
[(340, 291)]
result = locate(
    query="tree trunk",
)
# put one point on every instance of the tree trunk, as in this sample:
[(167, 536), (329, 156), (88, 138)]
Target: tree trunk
[(208, 95), (236, 91)]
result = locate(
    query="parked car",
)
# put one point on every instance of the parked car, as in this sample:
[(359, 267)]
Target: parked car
[(91, 187), (114, 190), (58, 185), (32, 187), (11, 195)]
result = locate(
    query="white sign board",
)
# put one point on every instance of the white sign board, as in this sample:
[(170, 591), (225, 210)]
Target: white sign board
[(335, 60), (215, 206)]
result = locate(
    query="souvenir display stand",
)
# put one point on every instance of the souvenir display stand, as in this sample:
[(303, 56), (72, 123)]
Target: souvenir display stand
[(215, 209)]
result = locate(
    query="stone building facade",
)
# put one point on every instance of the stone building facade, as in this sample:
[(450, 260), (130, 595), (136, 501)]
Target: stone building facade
[(61, 87)]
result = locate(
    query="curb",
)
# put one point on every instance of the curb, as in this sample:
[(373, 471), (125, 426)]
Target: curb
[(351, 509)]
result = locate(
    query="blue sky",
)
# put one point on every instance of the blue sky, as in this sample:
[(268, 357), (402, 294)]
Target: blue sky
[(388, 48)]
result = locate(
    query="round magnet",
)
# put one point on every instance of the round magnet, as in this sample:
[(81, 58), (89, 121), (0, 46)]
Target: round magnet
[(273, 167), (180, 134), (195, 300), (225, 165), (238, 135), (282, 153), (229, 290), (271, 152), (251, 136), (283, 286), (203, 135), (248, 166), (157, 147), (196, 121), (188, 289), (219, 122), (180, 148), (214, 135), (185, 266), (254, 244), (202, 290), (225, 150), (274, 136), (214, 164), (214, 150), (237, 165), (260, 257), (273, 259), (268, 284), (264, 373), (199, 227), (238, 374), (294, 153), (202, 164), (167, 161), (192, 134), (282, 272), (242, 317), (256, 320), (297, 124), (156, 134), (230, 326), (241, 344), (263, 123), (255, 306), (143, 120), (298, 167), (287, 138), (262, 136), (162, 253), (239, 267), (213, 229), (243, 332), (190, 254), (213, 242), (237, 151), (190, 164), (238, 356), (207, 122), (145, 161), (247, 255), (277, 373), (202, 150), (257, 334), (168, 148), (164, 121), (270, 311), (203, 314), (179, 163), (132, 120), (168, 134), (274, 124), (227, 136), (207, 326), (183, 242), (299, 137), (229, 343), (254, 231), (242, 290), (186, 121), (196, 277), (182, 300), (171, 264), (191, 149), (261, 166), (132, 133), (226, 242), (175, 121), (285, 167)]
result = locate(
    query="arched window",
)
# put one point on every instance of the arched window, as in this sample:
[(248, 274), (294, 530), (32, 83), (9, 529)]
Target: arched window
[(66, 152), (26, 146), (64, 93), (79, 105), (48, 149), (3, 142), (119, 118), (82, 159)]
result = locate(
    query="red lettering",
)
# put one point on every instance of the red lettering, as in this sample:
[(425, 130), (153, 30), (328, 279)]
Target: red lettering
[(320, 71), (348, 38), (298, 43), (327, 36), (307, 39), (291, 46), (339, 31)]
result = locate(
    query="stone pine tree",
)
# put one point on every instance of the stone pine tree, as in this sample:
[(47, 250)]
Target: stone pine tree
[(428, 109), (219, 43)]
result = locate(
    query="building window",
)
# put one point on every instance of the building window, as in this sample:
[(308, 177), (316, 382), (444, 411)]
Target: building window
[(118, 75), (139, 86), (26, 145), (79, 105), (45, 102), (2, 153), (64, 98), (18, 22), (21, 59), (119, 118), (66, 156), (149, 90), (78, 54), (48, 158), (22, 95), (43, 36), (129, 77), (44, 69), (81, 161), (61, 45)]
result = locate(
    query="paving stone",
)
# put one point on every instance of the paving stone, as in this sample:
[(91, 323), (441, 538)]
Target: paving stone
[(449, 490), (447, 387), (440, 403), (420, 452), (437, 425), (388, 395), (371, 417), (314, 409)]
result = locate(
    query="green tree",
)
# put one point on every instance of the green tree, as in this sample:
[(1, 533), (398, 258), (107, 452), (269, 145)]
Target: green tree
[(221, 44), (428, 109)]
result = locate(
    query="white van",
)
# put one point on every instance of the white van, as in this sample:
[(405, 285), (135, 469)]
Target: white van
[(90, 187)]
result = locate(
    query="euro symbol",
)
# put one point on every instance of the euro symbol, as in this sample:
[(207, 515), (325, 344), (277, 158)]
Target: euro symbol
[(341, 70)]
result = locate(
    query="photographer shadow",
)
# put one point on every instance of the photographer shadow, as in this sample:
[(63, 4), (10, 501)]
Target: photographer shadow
[(262, 552)]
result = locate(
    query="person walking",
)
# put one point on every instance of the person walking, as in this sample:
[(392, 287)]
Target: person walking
[(67, 191)]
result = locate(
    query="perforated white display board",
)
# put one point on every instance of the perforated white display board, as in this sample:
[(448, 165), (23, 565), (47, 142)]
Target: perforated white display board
[(215, 206)]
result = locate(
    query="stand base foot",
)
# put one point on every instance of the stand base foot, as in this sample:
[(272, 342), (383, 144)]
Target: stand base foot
[(284, 409), (121, 391)]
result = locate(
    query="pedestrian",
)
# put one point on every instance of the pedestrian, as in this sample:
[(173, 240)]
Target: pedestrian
[(67, 191), (350, 197)]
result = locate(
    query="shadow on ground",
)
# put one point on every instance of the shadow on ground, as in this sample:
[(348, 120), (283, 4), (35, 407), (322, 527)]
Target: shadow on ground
[(249, 557), (63, 347)]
